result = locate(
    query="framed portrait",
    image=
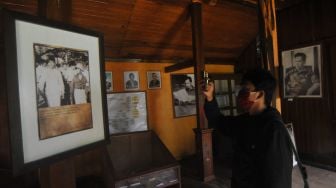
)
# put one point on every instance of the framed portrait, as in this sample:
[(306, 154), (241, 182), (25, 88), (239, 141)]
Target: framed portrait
[(301, 72), (131, 80), (55, 91), (154, 79), (184, 94), (127, 112), (109, 81)]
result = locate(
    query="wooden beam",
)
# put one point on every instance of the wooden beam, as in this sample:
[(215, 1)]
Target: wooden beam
[(179, 66), (190, 63), (249, 4)]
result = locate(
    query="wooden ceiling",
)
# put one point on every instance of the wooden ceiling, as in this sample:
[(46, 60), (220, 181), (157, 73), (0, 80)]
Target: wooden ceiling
[(160, 29)]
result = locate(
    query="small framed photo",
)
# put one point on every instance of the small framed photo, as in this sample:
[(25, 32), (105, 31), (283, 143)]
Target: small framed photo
[(301, 70), (131, 80), (109, 81), (184, 95), (154, 79), (57, 102)]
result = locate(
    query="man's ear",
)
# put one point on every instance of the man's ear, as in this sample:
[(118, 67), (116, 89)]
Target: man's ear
[(260, 94)]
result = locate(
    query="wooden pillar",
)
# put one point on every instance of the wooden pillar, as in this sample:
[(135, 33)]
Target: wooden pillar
[(203, 134), (59, 10), (61, 174)]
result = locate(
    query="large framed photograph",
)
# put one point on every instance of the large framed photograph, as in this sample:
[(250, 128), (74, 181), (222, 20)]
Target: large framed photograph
[(154, 79), (302, 72), (131, 80), (184, 94), (55, 91), (127, 112)]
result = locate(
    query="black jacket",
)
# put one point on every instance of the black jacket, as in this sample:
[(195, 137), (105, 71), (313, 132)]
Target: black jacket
[(262, 153)]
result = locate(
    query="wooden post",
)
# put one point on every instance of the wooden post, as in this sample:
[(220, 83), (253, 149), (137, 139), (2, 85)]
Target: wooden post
[(203, 134), (61, 174), (59, 10)]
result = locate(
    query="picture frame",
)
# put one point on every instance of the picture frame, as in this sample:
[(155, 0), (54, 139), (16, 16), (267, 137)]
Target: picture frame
[(301, 72), (154, 79), (131, 80), (127, 112), (76, 124), (183, 95), (109, 81)]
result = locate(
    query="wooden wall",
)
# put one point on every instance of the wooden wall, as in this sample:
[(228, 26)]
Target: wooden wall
[(176, 133), (304, 23)]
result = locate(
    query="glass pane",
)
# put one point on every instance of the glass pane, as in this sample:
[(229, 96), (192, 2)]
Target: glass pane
[(235, 112), (217, 87), (220, 101), (224, 85), (227, 100), (227, 112), (233, 85), (234, 100), (221, 86)]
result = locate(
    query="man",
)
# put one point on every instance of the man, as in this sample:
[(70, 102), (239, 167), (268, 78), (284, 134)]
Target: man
[(51, 82), (131, 83), (79, 84), (298, 77), (154, 82), (262, 153)]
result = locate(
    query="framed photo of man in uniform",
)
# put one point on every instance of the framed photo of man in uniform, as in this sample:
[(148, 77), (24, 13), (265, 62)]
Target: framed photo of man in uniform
[(154, 79), (301, 70)]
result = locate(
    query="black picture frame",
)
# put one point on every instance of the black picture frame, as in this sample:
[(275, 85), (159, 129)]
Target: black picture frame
[(302, 72), (28, 150), (183, 94)]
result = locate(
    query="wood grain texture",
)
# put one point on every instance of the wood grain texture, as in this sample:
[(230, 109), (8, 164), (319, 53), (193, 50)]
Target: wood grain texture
[(304, 24)]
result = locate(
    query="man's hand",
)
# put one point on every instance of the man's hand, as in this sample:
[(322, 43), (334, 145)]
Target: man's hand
[(208, 93)]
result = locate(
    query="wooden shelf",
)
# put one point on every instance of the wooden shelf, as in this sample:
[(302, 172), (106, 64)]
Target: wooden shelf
[(139, 160)]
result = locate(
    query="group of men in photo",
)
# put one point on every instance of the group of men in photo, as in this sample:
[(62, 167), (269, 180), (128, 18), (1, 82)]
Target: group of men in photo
[(62, 76)]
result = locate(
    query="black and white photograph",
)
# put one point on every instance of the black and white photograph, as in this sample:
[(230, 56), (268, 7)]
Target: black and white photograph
[(55, 82), (127, 112), (302, 72), (131, 80), (62, 81), (154, 79), (109, 81), (184, 95), (62, 76)]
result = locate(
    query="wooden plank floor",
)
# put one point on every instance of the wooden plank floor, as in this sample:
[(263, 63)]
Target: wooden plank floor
[(318, 178)]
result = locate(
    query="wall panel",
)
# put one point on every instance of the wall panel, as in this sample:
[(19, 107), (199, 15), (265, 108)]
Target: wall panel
[(303, 24)]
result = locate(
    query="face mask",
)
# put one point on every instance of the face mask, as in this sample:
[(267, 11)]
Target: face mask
[(243, 99)]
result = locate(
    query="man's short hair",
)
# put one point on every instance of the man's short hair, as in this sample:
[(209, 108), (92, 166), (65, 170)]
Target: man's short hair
[(302, 55), (262, 80)]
